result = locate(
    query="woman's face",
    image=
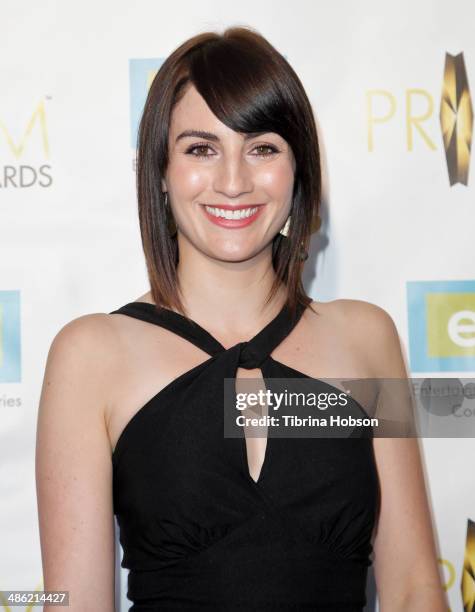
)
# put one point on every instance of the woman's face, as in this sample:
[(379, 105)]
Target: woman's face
[(226, 171)]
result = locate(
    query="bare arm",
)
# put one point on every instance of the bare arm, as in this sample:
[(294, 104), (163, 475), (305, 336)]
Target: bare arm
[(406, 568), (73, 467)]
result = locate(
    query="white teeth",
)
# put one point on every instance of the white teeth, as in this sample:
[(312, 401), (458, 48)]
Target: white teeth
[(231, 214)]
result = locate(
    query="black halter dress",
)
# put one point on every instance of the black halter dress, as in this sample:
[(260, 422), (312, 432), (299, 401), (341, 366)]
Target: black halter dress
[(199, 533)]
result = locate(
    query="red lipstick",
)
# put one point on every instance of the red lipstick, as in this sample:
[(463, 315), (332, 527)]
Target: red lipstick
[(233, 223)]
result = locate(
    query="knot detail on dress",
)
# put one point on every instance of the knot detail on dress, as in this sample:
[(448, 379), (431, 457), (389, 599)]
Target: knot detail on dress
[(249, 357)]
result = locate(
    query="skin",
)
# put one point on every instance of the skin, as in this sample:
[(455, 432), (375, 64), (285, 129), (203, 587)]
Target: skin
[(101, 368), (224, 263)]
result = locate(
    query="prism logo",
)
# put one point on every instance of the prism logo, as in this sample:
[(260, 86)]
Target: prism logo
[(467, 584), (25, 144), (414, 114), (456, 118)]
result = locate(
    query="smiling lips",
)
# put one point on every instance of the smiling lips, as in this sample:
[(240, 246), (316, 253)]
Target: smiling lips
[(232, 216)]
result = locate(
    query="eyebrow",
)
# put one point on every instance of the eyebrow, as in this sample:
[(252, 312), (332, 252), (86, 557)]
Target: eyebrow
[(211, 136)]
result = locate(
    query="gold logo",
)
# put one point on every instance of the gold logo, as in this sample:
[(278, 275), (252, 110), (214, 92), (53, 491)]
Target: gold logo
[(38, 116), (456, 118), (467, 583)]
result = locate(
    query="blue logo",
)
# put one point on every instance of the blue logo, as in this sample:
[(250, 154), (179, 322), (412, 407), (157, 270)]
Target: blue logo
[(441, 317), (141, 74), (10, 346)]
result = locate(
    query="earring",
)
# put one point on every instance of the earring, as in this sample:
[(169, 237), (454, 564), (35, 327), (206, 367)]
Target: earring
[(303, 254), (285, 230), (170, 220)]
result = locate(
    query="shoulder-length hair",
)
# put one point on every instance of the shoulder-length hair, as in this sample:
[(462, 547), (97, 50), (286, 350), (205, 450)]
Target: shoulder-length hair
[(250, 87)]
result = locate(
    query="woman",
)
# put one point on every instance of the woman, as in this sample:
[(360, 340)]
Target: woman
[(228, 183)]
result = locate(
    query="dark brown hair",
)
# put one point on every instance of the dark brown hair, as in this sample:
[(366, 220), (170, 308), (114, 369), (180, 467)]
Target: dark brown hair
[(250, 87)]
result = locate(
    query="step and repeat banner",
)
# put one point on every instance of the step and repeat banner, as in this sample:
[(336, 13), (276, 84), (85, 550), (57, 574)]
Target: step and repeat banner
[(392, 87)]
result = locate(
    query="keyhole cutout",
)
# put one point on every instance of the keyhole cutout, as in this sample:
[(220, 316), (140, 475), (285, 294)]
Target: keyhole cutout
[(255, 436)]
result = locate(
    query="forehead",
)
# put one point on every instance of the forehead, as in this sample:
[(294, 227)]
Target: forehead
[(193, 111)]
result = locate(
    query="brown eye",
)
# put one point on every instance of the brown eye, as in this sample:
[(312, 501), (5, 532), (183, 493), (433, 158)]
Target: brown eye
[(270, 150), (200, 148)]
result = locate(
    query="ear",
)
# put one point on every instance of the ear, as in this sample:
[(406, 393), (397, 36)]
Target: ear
[(164, 186)]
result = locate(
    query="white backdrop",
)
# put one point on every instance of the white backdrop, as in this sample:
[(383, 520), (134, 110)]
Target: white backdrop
[(72, 74)]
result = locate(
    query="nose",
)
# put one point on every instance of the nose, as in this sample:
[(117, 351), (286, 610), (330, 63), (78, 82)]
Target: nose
[(233, 176)]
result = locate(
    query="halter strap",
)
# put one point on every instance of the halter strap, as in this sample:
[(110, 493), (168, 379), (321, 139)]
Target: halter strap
[(252, 353)]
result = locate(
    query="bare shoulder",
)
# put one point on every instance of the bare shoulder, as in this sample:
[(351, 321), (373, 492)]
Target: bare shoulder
[(371, 331), (86, 331), (89, 338), (356, 311), (85, 351)]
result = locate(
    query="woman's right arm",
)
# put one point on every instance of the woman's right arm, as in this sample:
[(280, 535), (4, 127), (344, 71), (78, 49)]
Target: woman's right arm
[(73, 465)]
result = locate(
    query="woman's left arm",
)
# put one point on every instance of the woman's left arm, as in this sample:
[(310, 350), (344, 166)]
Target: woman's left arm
[(405, 559)]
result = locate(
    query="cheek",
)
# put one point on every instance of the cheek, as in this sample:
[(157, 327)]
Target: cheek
[(277, 179), (187, 179)]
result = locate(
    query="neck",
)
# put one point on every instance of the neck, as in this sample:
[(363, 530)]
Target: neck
[(228, 296)]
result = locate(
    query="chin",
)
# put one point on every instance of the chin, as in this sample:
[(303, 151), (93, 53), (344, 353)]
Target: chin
[(234, 256)]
